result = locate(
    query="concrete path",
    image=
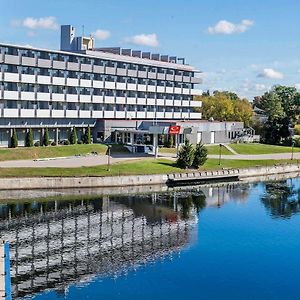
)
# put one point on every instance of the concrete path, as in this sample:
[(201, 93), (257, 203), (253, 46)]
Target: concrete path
[(97, 160), (70, 162)]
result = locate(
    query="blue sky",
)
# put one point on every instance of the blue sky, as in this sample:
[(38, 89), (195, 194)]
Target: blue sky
[(242, 46)]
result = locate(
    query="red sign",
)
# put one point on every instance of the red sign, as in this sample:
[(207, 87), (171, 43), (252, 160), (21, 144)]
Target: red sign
[(174, 129)]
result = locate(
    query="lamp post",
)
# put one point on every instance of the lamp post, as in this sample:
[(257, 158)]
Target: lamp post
[(108, 157), (293, 144), (220, 154)]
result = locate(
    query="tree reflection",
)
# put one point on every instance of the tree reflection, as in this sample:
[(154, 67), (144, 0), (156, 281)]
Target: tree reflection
[(281, 199), (190, 202)]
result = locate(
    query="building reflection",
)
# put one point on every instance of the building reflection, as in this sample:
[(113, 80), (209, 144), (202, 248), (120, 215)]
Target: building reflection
[(57, 242)]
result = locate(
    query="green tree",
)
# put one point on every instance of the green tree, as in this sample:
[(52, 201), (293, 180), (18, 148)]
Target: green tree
[(46, 141), (170, 141), (73, 136), (14, 139), (185, 155), (29, 138), (87, 137), (200, 155)]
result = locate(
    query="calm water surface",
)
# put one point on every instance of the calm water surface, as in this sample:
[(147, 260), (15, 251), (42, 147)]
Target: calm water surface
[(232, 241)]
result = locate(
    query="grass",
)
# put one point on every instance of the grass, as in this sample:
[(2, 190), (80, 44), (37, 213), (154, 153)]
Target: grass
[(214, 150), (137, 167), (261, 149), (50, 151)]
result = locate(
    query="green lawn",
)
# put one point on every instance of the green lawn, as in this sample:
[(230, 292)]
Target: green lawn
[(214, 149), (50, 151), (138, 167), (261, 149)]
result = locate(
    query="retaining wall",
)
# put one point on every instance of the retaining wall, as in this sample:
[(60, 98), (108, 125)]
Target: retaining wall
[(117, 181)]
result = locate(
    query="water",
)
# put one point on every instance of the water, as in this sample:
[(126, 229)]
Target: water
[(225, 241)]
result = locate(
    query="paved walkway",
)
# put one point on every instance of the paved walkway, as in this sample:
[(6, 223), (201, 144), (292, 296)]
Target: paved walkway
[(97, 160)]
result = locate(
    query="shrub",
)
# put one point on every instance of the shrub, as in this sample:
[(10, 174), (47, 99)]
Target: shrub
[(185, 155), (29, 138), (73, 136), (79, 142), (66, 142), (46, 141), (297, 142), (200, 155), (87, 138), (53, 143), (37, 144), (14, 139)]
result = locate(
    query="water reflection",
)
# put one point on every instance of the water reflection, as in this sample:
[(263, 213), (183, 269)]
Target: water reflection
[(281, 198), (55, 242)]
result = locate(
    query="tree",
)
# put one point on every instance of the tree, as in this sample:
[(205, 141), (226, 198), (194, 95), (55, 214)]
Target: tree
[(14, 139), (73, 136), (46, 141), (29, 138), (87, 138), (226, 106), (200, 155), (185, 155), (170, 141)]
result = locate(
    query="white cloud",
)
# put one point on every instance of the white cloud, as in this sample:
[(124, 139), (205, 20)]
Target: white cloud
[(143, 39), (270, 73), (260, 87), (37, 23), (225, 27), (101, 34), (297, 86)]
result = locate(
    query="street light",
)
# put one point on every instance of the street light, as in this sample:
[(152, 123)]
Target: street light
[(293, 144), (220, 154), (108, 157)]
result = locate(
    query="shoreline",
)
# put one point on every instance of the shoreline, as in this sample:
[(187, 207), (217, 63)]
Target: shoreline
[(173, 179)]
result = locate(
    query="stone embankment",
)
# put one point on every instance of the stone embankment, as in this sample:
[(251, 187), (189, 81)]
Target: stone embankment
[(139, 180)]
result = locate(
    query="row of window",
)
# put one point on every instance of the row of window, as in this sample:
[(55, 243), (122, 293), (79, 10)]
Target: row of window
[(89, 76), (88, 106), (58, 89), (89, 60)]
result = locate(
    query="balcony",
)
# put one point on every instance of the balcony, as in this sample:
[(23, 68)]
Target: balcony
[(58, 81), (177, 103), (84, 114), (13, 77), (150, 101), (185, 115), (10, 113), (160, 115), (169, 90), (27, 113), (108, 114), (110, 85), (196, 92), (121, 86), (98, 84), (131, 86), (43, 96), (120, 114), (109, 99), (151, 88), (85, 98), (57, 113), (120, 100), (27, 96), (141, 115), (177, 115), (43, 113), (160, 102), (11, 95), (58, 97), (142, 88), (186, 91), (72, 82), (131, 100), (168, 115), (150, 115), (196, 80), (27, 78), (71, 113), (97, 114), (97, 99), (72, 97), (195, 116), (43, 79), (141, 101), (196, 103), (169, 102), (86, 82), (177, 90), (160, 89)]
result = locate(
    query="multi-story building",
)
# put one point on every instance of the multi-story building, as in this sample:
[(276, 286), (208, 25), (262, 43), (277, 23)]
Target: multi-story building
[(79, 85)]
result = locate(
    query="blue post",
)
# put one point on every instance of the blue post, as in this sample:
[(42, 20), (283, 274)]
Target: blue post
[(7, 272)]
